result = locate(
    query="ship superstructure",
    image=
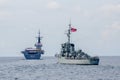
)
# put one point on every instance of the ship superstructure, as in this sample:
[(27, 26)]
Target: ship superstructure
[(34, 53), (69, 55)]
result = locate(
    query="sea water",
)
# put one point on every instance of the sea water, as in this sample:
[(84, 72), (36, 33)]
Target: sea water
[(17, 68)]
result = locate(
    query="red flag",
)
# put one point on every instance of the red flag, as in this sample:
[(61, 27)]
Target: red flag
[(73, 29)]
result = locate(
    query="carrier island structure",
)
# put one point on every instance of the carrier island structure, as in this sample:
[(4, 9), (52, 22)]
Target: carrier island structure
[(68, 54), (34, 53)]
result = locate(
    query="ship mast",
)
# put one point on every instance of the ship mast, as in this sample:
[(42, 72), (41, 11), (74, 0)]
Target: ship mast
[(38, 44), (69, 32), (68, 43), (39, 37)]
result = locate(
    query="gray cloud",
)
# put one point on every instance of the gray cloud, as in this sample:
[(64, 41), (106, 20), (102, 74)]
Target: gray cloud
[(20, 21)]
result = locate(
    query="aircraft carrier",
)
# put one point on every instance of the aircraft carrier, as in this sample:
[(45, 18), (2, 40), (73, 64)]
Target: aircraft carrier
[(34, 53)]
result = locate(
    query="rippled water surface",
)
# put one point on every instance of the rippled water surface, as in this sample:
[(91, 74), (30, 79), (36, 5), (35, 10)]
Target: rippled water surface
[(15, 68)]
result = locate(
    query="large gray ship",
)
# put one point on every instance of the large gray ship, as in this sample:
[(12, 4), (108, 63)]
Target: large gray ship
[(34, 53), (69, 55)]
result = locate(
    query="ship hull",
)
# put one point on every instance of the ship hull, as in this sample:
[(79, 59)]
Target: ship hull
[(63, 60), (32, 56)]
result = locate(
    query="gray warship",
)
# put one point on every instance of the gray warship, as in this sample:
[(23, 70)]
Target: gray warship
[(68, 54), (34, 53)]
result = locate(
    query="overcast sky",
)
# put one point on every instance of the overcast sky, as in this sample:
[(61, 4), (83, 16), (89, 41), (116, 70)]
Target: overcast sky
[(97, 23)]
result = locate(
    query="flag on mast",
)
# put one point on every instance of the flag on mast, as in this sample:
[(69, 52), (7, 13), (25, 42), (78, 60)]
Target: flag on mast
[(73, 29)]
